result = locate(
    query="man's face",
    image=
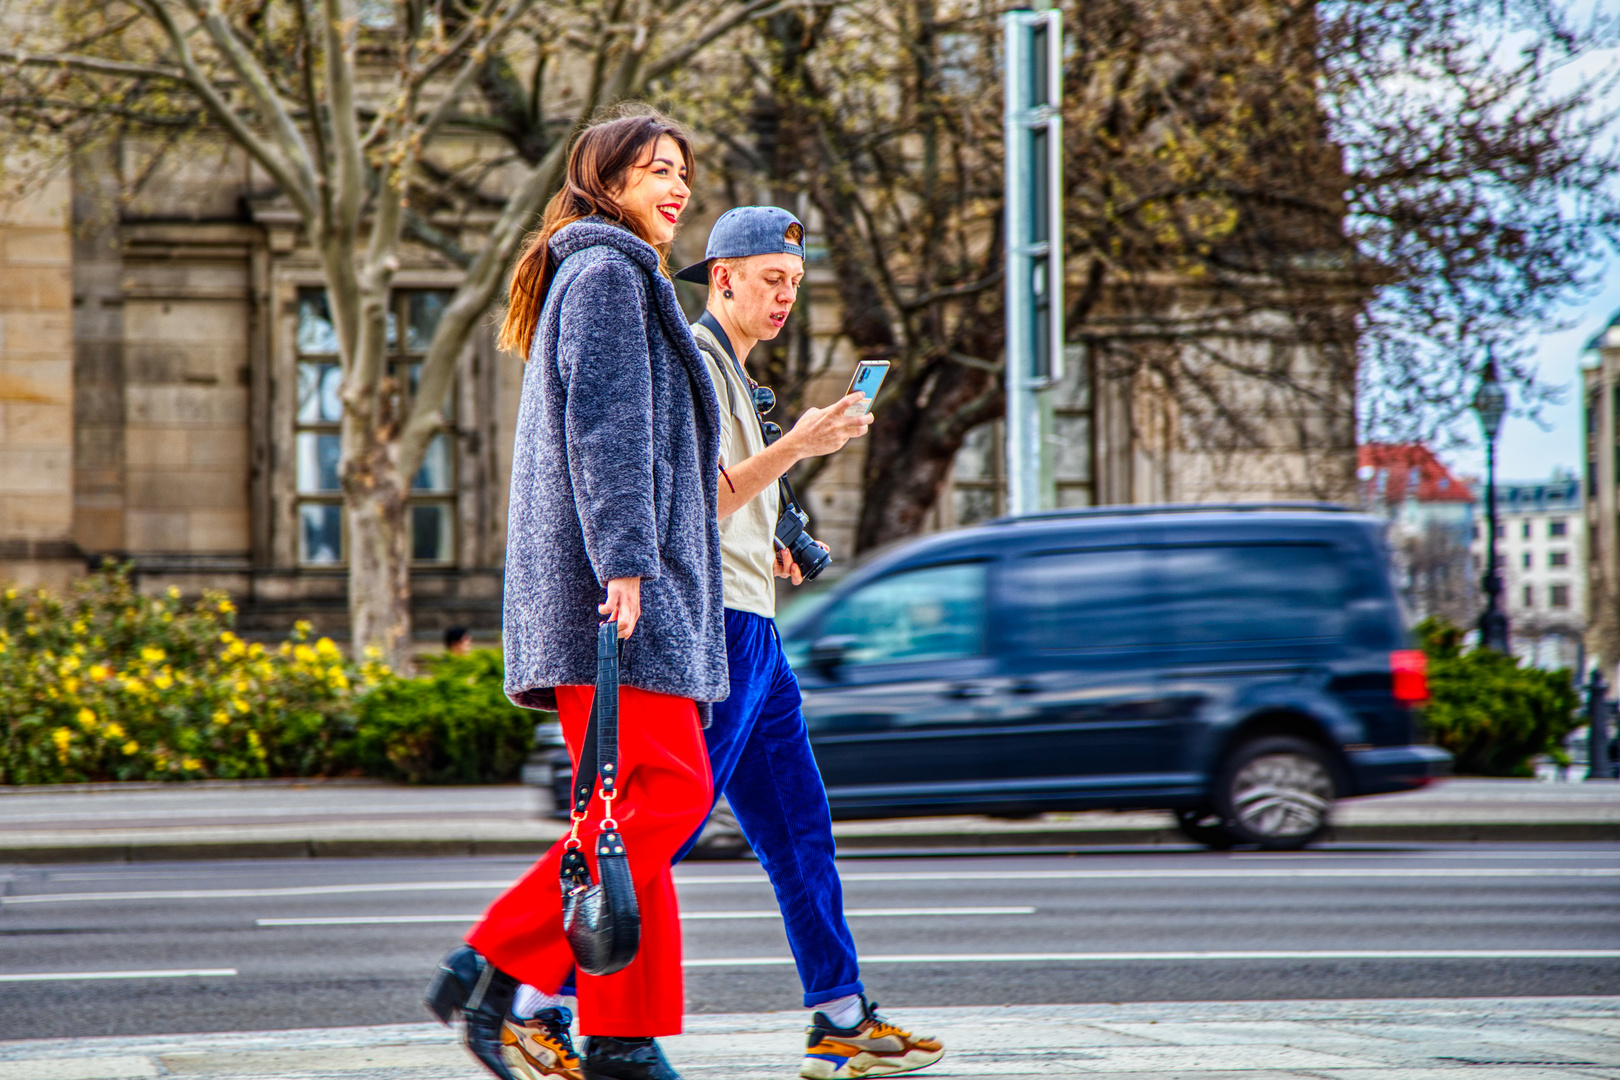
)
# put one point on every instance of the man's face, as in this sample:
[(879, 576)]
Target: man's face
[(763, 289)]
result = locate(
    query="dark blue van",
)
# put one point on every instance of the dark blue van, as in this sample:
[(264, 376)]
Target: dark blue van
[(1241, 666)]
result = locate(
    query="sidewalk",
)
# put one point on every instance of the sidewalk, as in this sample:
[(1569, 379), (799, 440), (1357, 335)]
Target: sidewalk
[(280, 819), (1468, 1039)]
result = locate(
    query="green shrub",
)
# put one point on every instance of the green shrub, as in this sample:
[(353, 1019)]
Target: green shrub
[(454, 726), (107, 684), (1492, 714)]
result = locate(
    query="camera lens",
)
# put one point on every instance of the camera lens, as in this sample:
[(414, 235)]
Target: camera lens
[(764, 400)]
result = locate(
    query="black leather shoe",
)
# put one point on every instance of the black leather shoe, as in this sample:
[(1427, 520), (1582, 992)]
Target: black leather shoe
[(482, 993), (608, 1058)]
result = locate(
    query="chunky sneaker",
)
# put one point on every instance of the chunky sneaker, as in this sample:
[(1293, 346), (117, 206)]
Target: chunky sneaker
[(540, 1049), (873, 1047)]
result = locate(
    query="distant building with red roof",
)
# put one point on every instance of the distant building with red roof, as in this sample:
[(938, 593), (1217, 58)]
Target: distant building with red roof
[(1392, 473), (1430, 510)]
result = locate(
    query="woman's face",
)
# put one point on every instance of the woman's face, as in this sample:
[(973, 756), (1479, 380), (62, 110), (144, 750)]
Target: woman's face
[(655, 191)]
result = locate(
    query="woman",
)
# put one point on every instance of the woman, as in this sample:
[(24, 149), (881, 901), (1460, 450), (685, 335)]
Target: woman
[(613, 515)]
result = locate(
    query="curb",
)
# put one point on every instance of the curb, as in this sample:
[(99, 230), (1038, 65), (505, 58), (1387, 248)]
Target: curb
[(1011, 842), (1551, 832)]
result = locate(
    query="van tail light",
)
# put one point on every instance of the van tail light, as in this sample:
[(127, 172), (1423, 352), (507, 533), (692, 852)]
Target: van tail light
[(1410, 670)]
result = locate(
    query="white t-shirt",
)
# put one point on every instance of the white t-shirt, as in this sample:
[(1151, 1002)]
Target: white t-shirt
[(747, 538)]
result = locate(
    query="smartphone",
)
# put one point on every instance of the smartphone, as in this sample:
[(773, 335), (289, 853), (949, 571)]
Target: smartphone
[(868, 377)]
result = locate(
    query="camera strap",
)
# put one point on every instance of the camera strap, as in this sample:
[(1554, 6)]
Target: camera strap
[(712, 325), (784, 490)]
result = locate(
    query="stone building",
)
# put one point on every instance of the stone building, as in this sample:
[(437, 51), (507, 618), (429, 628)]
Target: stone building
[(1541, 551), (1600, 388), (167, 397)]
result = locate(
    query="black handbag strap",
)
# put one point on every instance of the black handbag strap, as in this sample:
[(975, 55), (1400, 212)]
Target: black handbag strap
[(599, 754)]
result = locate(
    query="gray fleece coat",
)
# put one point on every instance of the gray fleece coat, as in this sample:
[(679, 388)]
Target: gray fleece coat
[(614, 474)]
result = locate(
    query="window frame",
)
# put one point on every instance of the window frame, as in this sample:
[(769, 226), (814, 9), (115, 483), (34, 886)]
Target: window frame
[(401, 358)]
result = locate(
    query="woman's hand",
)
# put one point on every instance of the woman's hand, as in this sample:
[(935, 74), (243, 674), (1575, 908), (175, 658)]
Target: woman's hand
[(623, 603)]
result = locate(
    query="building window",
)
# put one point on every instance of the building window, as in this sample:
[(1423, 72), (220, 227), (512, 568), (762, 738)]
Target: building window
[(1558, 558), (1557, 527), (1560, 596), (430, 513), (1526, 560), (1524, 530), (1529, 596)]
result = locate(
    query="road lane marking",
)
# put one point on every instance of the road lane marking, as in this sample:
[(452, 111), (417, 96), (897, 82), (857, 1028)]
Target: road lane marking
[(75, 976), (968, 878), (367, 920), (259, 894), (895, 876), (1163, 957), (851, 913), (868, 913)]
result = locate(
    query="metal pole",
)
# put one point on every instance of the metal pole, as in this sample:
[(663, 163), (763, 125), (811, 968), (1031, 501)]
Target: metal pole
[(1032, 86), (1493, 627), (1597, 712)]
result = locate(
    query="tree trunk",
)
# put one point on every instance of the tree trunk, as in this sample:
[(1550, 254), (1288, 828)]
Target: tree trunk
[(379, 562), (913, 443)]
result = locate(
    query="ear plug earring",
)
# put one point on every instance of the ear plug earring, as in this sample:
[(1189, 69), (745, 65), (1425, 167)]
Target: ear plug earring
[(727, 294)]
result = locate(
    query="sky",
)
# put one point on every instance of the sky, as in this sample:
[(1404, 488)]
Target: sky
[(1526, 450)]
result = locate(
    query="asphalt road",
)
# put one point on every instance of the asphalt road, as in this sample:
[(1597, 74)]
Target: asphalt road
[(258, 945)]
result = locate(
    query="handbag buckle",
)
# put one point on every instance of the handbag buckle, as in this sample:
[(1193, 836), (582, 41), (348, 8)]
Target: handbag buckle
[(573, 840)]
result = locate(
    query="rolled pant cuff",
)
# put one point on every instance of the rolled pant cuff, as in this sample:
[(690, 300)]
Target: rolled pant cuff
[(820, 997)]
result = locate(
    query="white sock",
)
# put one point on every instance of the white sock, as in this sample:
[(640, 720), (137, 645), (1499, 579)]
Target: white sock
[(845, 1012), (529, 1001)]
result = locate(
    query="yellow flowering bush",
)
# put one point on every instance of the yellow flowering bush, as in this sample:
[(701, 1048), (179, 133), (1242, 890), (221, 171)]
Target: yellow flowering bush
[(107, 684)]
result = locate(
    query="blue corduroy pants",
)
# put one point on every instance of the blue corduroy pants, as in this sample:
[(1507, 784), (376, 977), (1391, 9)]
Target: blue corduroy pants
[(759, 756)]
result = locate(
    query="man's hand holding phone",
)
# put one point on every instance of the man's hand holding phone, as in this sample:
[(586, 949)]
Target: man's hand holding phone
[(825, 431)]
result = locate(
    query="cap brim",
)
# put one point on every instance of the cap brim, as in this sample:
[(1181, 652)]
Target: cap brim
[(697, 273)]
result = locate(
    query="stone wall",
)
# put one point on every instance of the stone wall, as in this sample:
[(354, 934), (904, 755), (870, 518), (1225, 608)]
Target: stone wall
[(36, 387)]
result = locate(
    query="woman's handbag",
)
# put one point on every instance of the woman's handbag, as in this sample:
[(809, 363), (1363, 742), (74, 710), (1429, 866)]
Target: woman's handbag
[(601, 921)]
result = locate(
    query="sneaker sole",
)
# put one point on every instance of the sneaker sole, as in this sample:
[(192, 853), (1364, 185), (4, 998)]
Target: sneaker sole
[(529, 1068), (865, 1064)]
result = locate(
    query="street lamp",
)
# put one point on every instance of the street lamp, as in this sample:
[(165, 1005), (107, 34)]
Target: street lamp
[(1490, 402)]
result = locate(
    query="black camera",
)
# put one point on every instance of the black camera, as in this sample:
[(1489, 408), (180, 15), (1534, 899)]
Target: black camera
[(811, 557)]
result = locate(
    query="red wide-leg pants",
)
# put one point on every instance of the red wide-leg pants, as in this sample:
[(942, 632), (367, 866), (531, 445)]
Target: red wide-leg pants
[(665, 795)]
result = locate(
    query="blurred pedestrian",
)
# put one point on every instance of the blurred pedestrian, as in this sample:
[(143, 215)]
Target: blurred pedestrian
[(613, 514), (759, 747), (458, 641)]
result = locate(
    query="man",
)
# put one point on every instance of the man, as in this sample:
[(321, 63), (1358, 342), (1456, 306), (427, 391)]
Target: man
[(759, 750)]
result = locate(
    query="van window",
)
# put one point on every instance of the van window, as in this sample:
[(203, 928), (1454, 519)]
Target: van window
[(932, 613), (1161, 596), (1079, 600), (1261, 592)]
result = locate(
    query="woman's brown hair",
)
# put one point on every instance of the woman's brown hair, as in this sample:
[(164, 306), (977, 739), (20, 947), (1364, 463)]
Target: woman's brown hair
[(597, 164)]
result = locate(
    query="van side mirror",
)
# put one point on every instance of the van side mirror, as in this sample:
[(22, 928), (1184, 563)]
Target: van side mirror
[(827, 654)]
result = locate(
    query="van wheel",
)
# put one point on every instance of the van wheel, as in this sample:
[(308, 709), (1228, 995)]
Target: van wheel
[(1276, 792), (1204, 827)]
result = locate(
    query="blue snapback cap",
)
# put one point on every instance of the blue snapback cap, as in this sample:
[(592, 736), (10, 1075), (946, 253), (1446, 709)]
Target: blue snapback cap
[(744, 231)]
